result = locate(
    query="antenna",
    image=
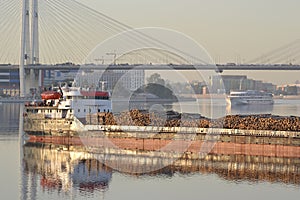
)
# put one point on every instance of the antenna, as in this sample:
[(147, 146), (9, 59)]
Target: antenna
[(103, 85), (113, 54)]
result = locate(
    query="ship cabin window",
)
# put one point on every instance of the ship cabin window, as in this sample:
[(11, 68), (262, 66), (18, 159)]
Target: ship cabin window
[(108, 110), (69, 97), (98, 110), (104, 110), (100, 97), (32, 111), (95, 97), (90, 110), (76, 97), (71, 111), (84, 110), (78, 110)]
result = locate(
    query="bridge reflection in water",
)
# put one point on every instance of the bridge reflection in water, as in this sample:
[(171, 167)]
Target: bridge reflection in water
[(65, 167)]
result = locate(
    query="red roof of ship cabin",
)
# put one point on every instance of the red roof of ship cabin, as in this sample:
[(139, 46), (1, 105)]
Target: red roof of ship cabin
[(95, 93)]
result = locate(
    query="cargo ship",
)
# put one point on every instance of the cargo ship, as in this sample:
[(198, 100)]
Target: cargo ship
[(76, 114)]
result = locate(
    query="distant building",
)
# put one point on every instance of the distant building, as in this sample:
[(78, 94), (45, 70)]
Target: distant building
[(290, 89), (199, 87), (9, 82), (132, 79), (226, 83), (129, 79), (53, 76)]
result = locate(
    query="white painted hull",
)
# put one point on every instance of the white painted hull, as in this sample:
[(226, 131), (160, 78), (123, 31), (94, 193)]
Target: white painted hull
[(250, 101)]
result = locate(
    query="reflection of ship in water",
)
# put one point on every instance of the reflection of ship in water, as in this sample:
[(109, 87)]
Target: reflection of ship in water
[(249, 109), (90, 168), (60, 168), (90, 175)]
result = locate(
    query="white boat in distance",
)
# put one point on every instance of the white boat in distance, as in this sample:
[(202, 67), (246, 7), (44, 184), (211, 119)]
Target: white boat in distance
[(250, 97)]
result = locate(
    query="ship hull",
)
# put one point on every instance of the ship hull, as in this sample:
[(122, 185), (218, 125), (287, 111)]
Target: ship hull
[(59, 130), (49, 127), (249, 101), (159, 140)]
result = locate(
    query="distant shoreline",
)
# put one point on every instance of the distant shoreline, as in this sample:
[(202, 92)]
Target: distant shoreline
[(16, 100), (187, 97), (290, 97), (222, 96)]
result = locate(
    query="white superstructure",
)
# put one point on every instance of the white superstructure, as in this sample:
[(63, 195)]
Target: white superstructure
[(69, 102)]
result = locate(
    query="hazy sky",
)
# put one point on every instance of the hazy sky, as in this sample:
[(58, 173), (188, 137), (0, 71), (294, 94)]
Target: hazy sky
[(230, 30), (226, 28)]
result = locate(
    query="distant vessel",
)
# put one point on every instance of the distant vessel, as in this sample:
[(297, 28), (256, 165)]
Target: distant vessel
[(250, 97)]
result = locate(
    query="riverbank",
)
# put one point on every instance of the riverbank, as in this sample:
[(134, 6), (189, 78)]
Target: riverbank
[(288, 97)]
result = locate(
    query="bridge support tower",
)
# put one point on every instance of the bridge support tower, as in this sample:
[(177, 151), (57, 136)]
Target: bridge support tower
[(29, 48)]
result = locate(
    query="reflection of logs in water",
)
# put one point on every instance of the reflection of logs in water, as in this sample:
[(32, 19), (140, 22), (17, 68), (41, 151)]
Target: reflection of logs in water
[(174, 119), (240, 167), (48, 159), (231, 167)]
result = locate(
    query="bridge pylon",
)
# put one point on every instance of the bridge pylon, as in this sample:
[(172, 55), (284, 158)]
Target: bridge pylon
[(29, 47)]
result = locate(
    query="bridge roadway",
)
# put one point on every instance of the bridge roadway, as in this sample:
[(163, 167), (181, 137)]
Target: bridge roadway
[(218, 67)]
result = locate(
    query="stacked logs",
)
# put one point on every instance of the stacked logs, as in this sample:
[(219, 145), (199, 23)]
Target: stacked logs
[(262, 122), (174, 119), (100, 118)]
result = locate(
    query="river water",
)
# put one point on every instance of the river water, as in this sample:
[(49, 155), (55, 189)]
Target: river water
[(35, 171)]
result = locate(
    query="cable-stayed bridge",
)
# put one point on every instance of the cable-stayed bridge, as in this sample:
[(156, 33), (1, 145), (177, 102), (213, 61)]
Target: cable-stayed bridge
[(218, 67), (40, 34)]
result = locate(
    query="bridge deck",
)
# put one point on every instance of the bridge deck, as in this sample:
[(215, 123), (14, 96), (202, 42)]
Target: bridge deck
[(158, 67)]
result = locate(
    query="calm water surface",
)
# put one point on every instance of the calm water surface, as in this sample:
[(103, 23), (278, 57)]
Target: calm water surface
[(34, 171)]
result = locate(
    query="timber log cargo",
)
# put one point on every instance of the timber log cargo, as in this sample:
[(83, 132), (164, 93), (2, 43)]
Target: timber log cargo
[(174, 119)]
